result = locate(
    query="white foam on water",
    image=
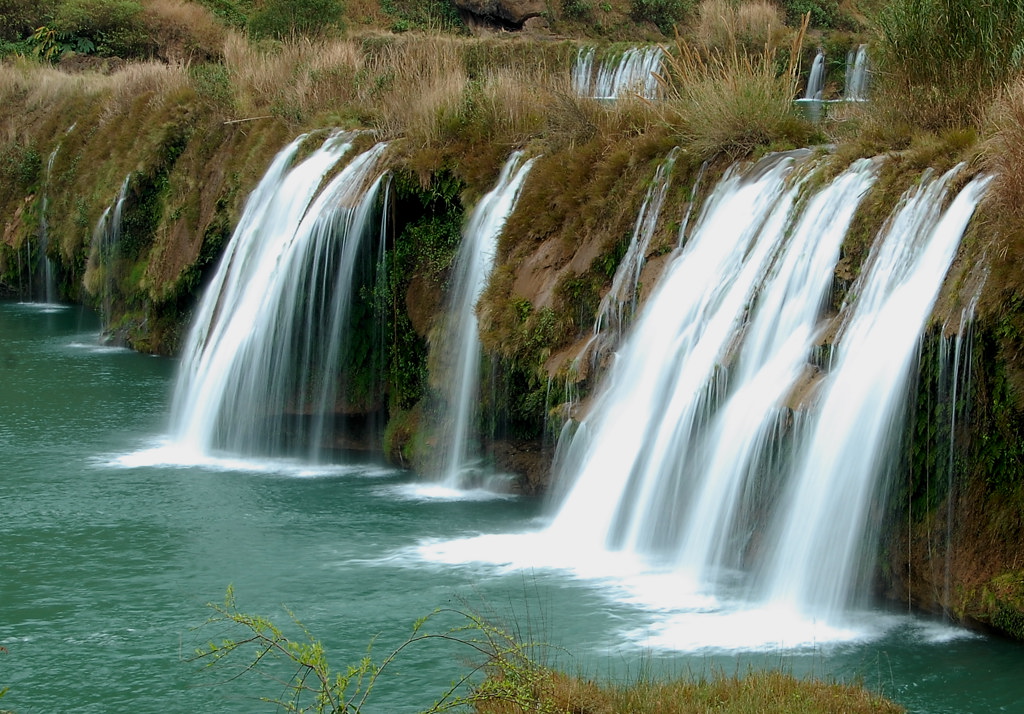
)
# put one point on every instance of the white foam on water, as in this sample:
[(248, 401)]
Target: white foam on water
[(168, 454)]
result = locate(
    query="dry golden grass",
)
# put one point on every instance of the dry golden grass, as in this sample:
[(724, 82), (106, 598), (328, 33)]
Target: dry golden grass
[(727, 24), (414, 88), (183, 31), (1004, 150), (302, 76), (157, 80), (768, 692), (728, 102), (34, 86)]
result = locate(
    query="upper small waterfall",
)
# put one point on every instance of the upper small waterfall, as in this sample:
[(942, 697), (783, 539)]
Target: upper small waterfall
[(856, 74), (816, 79), (632, 72), (459, 343), (262, 356)]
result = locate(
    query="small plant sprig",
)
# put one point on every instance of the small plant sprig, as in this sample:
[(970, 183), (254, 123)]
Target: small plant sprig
[(313, 686)]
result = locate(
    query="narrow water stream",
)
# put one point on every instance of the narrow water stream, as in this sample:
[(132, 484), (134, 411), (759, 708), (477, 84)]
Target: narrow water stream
[(108, 558)]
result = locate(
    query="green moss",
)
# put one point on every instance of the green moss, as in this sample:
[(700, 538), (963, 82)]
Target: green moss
[(427, 232), (1003, 600)]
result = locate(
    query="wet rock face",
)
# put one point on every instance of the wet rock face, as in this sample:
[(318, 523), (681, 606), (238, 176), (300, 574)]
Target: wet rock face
[(503, 12)]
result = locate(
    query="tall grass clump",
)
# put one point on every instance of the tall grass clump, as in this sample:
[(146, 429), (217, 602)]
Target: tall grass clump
[(294, 79), (941, 61), (728, 102), (414, 89), (1004, 150)]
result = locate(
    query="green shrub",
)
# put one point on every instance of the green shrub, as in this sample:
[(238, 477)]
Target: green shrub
[(233, 12), (111, 28), (824, 13), (283, 18), (423, 15), (212, 83), (20, 168), (575, 9), (666, 14), (18, 18)]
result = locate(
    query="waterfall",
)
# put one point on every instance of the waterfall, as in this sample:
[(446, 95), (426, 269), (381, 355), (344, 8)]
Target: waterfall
[(633, 72), (773, 357), (260, 365), (621, 297), (48, 288), (816, 80), (959, 375), (459, 343), (816, 548), (857, 74), (618, 305), (668, 371), (104, 253)]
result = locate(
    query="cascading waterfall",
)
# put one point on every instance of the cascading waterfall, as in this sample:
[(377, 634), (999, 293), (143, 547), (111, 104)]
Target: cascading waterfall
[(816, 79), (619, 303), (816, 548), (665, 379), (773, 357), (262, 356), (633, 72), (459, 343), (678, 463), (726, 476), (955, 377), (103, 253), (856, 74)]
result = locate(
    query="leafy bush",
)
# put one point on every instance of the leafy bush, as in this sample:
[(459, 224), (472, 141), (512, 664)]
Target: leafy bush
[(575, 9), (666, 14), (232, 12), (283, 18), (18, 18), (824, 13), (112, 28), (423, 15)]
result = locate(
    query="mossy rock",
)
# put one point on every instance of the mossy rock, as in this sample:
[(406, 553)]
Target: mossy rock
[(999, 603)]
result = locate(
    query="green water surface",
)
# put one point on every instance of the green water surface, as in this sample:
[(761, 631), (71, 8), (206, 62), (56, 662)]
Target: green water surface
[(106, 566)]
